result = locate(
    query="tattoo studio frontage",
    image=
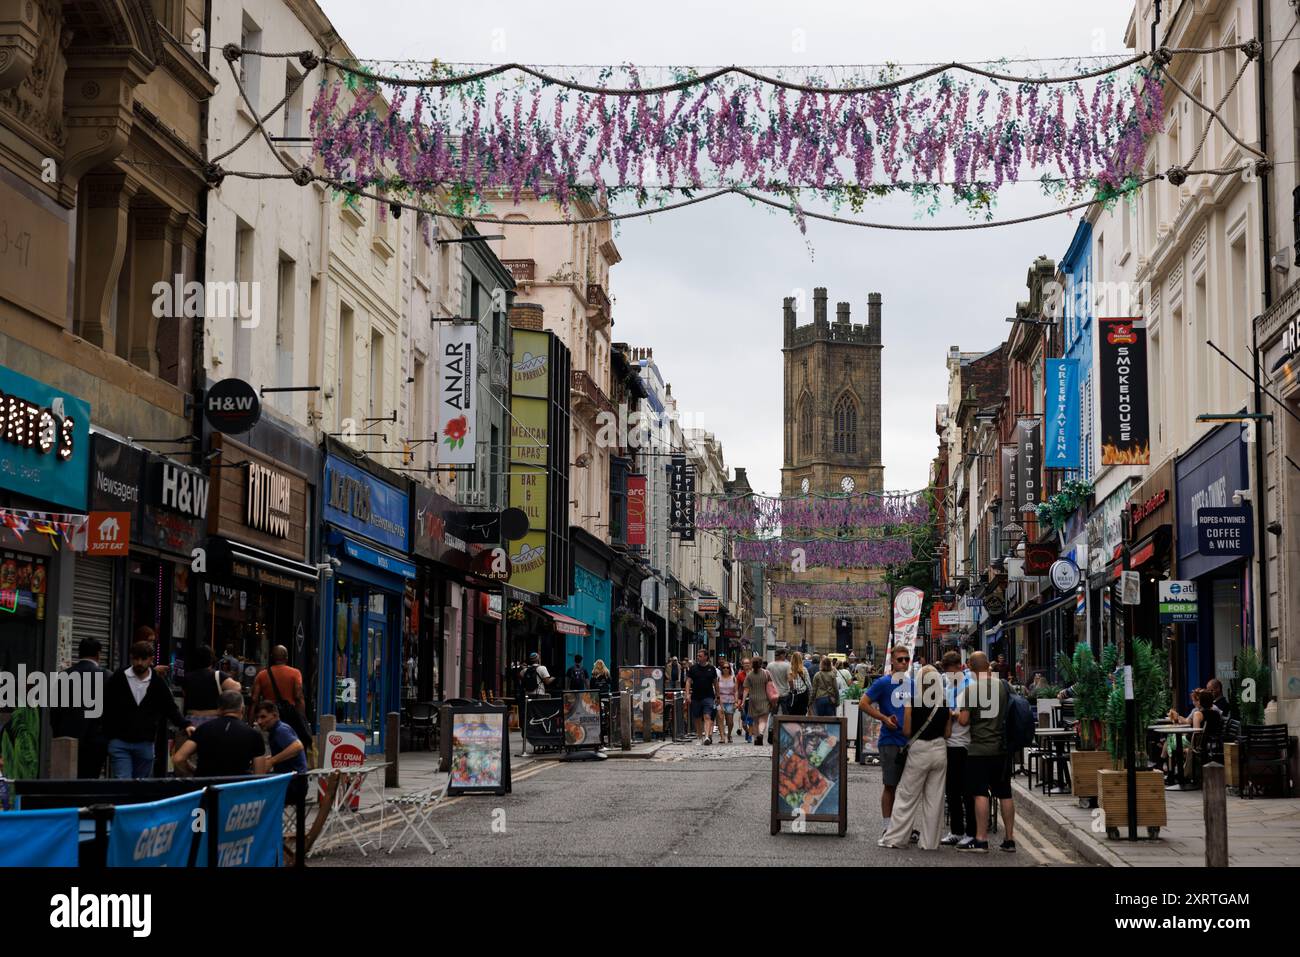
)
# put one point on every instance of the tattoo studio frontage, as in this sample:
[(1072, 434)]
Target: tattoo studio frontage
[(366, 514), (262, 587)]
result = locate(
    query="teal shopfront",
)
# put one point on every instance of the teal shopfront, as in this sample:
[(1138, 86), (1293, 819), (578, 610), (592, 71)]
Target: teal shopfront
[(367, 541), (591, 601)]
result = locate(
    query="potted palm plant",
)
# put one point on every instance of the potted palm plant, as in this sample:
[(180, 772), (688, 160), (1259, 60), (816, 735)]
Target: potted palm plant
[(1151, 692)]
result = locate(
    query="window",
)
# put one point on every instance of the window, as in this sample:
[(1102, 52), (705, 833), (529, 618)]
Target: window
[(284, 319), (1229, 64), (419, 415), (797, 614), (376, 375), (242, 326), (846, 425), (1157, 384), (805, 427), (346, 364), (250, 67), (1202, 392), (293, 111)]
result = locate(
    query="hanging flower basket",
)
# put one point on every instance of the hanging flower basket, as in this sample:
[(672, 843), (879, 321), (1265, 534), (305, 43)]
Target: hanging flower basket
[(1056, 511)]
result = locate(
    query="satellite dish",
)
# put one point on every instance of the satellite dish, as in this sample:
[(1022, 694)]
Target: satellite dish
[(514, 524)]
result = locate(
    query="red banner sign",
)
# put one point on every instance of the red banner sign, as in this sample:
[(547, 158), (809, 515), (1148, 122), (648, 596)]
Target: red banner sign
[(636, 510)]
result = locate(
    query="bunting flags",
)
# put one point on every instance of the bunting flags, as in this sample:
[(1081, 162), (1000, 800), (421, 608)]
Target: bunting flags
[(56, 525)]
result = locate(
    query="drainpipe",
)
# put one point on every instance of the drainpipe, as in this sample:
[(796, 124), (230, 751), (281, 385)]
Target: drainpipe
[(1261, 491)]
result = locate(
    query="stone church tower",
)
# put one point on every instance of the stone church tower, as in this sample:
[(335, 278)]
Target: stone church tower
[(832, 447)]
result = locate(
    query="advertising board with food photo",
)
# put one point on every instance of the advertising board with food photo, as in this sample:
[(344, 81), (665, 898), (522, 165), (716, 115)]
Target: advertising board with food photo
[(809, 763), (581, 719)]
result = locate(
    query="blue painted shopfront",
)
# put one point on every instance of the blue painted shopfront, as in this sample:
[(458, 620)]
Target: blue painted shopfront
[(1076, 266), (364, 598), (591, 604)]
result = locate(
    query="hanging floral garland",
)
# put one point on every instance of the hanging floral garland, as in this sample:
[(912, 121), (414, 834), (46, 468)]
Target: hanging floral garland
[(970, 134), (825, 552), (828, 591), (765, 515)]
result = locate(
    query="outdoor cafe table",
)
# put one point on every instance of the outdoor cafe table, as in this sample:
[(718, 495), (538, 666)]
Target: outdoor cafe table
[(1059, 739), (1164, 728)]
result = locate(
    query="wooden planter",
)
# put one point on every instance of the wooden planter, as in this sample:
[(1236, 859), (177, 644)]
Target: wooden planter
[(1231, 763), (1084, 766), (1113, 799)]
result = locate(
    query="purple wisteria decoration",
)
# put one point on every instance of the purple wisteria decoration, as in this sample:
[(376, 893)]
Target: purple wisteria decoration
[(826, 553), (828, 591), (971, 133), (765, 515)]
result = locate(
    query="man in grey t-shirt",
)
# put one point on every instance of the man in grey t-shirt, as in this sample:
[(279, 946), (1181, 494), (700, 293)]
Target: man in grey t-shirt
[(780, 672)]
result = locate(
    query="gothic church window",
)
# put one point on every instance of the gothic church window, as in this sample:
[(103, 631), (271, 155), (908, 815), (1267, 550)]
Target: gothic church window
[(805, 426), (846, 425)]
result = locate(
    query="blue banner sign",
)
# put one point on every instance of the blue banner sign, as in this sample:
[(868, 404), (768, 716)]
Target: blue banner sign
[(1061, 449), (39, 838), (44, 441), (362, 503), (250, 823), (156, 834)]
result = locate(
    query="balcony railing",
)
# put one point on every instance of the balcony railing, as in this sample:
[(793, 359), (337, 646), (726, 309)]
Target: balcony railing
[(597, 299), (587, 395), (524, 270)]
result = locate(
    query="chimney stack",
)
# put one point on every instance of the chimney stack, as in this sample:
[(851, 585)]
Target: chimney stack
[(526, 315), (842, 313), (873, 317)]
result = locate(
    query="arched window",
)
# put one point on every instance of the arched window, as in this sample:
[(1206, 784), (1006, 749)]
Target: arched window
[(846, 425), (805, 427)]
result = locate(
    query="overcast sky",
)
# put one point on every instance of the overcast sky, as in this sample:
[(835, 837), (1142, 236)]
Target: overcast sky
[(704, 286)]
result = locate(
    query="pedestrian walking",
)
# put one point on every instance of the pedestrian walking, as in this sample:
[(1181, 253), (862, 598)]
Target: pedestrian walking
[(726, 701), (137, 702), (884, 701), (918, 804), (961, 806), (92, 749), (800, 686), (759, 693), (673, 673), (601, 680), (575, 679), (223, 746), (780, 672), (825, 690), (533, 677), (701, 694), (983, 706)]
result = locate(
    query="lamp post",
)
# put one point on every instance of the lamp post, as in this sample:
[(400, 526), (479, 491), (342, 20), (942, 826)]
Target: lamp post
[(1130, 693)]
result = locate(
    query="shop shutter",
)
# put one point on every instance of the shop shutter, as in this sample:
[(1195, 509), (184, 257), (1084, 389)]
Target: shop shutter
[(92, 606)]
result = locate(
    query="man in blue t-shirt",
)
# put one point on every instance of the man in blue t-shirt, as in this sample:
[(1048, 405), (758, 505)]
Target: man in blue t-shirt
[(287, 752), (884, 701)]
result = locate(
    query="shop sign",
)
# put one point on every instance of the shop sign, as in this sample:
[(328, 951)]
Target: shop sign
[(370, 556), (1039, 558), (1178, 601), (44, 441), (492, 564), (1029, 462), (363, 503), (949, 618), (1138, 513), (1206, 478), (1062, 415), (269, 496), (1225, 532), (431, 539), (1122, 387), (116, 475), (108, 534), (229, 510), (232, 406), (183, 490), (1065, 575), (457, 409), (636, 523), (1130, 588)]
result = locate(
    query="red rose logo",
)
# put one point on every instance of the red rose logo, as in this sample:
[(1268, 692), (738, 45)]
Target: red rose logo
[(455, 431)]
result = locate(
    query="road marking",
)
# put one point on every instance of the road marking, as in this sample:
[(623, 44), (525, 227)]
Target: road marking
[(1040, 849)]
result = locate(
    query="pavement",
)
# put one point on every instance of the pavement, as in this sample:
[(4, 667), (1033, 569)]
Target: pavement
[(1262, 832), (681, 804)]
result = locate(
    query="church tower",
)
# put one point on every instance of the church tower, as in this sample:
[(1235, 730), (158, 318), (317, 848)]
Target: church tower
[(832, 447)]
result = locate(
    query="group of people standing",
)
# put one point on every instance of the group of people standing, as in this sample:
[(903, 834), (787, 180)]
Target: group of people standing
[(942, 736), (215, 739)]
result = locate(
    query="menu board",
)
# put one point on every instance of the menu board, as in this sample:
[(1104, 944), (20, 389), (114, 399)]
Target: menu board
[(645, 683), (810, 771), (544, 722), (868, 737), (480, 751), (581, 719)]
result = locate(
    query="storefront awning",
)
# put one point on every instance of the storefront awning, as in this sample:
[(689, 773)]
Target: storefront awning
[(271, 562), (566, 625), (1038, 612)]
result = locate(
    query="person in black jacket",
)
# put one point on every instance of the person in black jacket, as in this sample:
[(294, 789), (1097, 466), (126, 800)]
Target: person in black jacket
[(136, 701), (77, 722)]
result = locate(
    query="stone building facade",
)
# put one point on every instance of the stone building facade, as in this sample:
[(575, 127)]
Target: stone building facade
[(832, 447)]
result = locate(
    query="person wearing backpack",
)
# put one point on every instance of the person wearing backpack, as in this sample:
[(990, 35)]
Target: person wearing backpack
[(575, 679), (985, 706), (534, 678)]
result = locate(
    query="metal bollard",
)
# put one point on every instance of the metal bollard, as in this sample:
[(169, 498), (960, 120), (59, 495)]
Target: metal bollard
[(647, 721), (625, 720), (1215, 795), (392, 748), (327, 724)]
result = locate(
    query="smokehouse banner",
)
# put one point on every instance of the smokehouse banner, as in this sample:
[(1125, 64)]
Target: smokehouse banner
[(1125, 431)]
